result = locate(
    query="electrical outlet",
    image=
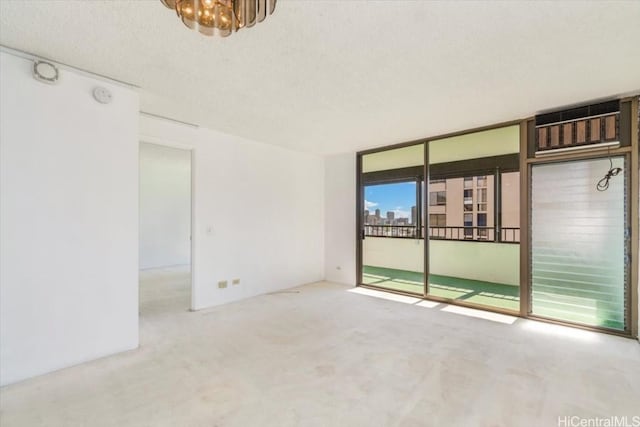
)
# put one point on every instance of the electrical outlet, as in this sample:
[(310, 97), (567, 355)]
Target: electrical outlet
[(235, 282), (222, 284)]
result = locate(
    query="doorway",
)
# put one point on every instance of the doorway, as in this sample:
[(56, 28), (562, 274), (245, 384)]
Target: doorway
[(165, 243)]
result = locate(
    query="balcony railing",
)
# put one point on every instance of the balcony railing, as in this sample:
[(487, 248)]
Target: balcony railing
[(403, 231), (474, 234), (482, 234)]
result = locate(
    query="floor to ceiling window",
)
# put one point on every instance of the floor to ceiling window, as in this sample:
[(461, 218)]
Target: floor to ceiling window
[(392, 244), (535, 219), (474, 218)]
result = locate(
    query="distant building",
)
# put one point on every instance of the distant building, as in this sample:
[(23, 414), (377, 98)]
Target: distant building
[(461, 208), (464, 207)]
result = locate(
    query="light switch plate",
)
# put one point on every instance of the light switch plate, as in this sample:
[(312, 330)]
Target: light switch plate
[(222, 284), (235, 282)]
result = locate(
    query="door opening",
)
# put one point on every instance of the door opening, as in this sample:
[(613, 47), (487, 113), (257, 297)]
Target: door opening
[(165, 243)]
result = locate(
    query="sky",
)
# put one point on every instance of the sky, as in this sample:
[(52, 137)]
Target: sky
[(391, 197)]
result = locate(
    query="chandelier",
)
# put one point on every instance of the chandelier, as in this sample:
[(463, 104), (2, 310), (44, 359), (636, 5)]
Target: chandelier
[(224, 15)]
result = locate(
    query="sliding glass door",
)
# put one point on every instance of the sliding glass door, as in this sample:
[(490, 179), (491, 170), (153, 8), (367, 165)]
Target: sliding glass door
[(474, 219), (393, 257), (579, 243), (392, 246)]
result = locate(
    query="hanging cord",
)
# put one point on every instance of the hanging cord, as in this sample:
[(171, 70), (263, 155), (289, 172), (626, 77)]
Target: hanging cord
[(603, 184)]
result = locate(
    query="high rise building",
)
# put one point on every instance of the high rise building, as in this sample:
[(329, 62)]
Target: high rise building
[(413, 215), (390, 215), (377, 213)]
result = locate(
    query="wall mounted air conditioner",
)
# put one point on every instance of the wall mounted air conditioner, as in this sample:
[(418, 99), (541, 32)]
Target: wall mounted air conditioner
[(591, 127)]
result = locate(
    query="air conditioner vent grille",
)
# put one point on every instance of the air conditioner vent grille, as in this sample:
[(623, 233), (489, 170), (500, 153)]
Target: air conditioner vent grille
[(588, 125)]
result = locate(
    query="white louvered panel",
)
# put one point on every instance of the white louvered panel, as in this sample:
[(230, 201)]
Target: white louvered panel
[(578, 243)]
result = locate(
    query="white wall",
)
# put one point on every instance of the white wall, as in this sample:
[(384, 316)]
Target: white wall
[(68, 221), (165, 206), (258, 213), (340, 219)]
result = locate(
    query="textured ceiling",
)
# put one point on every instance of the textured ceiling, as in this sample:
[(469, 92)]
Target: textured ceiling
[(337, 76)]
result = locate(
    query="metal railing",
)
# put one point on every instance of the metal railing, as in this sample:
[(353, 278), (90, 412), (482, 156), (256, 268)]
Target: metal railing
[(474, 234), (479, 234), (403, 231), (510, 234)]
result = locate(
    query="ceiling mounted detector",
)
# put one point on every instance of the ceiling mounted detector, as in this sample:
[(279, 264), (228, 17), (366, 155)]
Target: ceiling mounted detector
[(102, 95)]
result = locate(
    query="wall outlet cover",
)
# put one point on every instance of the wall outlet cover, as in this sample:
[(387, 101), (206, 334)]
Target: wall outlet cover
[(235, 282), (222, 284)]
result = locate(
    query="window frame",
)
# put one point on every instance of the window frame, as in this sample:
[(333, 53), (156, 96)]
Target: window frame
[(438, 200)]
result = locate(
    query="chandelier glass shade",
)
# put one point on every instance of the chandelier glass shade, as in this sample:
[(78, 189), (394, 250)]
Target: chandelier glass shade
[(221, 16)]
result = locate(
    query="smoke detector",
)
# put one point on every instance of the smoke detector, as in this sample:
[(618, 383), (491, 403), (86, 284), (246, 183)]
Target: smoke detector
[(102, 95)]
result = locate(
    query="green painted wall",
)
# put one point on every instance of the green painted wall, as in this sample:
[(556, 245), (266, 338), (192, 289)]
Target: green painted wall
[(486, 261)]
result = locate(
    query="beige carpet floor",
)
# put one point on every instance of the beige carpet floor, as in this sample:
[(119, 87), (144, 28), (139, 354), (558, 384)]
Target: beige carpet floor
[(324, 355)]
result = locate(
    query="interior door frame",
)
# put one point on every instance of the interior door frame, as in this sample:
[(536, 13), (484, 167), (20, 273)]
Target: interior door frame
[(192, 247)]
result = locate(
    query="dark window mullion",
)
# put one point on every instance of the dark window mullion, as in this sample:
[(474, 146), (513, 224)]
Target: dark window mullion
[(497, 209)]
